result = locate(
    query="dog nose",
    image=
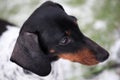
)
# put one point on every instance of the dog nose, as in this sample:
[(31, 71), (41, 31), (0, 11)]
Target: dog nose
[(103, 56)]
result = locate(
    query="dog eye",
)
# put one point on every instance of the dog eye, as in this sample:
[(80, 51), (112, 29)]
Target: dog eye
[(64, 41)]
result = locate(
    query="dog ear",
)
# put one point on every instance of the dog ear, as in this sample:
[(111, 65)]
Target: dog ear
[(28, 54)]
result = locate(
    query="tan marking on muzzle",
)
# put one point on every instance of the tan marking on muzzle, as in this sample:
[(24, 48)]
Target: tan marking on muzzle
[(84, 56)]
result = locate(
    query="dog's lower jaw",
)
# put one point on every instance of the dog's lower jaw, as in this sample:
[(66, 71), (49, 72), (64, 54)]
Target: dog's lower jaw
[(85, 57)]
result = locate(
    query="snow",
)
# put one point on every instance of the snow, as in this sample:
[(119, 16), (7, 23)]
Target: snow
[(100, 24), (108, 75)]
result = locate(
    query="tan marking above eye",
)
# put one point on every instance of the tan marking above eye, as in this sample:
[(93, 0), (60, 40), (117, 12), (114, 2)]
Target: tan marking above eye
[(84, 56), (52, 51), (68, 32)]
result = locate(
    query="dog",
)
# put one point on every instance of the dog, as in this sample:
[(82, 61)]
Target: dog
[(48, 35)]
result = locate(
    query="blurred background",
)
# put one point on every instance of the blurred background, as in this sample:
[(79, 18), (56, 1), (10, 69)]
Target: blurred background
[(97, 19)]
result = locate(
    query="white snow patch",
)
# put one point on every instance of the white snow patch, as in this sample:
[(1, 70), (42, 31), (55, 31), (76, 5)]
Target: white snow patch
[(100, 24), (114, 50), (108, 75)]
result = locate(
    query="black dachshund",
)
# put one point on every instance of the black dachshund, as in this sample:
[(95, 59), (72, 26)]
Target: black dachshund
[(49, 34)]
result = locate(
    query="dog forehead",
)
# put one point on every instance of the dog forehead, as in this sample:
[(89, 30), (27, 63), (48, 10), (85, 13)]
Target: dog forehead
[(52, 34)]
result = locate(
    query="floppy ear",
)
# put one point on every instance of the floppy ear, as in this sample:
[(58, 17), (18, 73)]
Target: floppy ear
[(28, 54)]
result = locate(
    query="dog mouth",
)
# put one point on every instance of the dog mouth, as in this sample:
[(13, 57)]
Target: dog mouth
[(89, 61), (85, 61), (84, 57)]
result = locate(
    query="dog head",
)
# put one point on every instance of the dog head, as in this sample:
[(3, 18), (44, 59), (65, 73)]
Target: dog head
[(49, 34)]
